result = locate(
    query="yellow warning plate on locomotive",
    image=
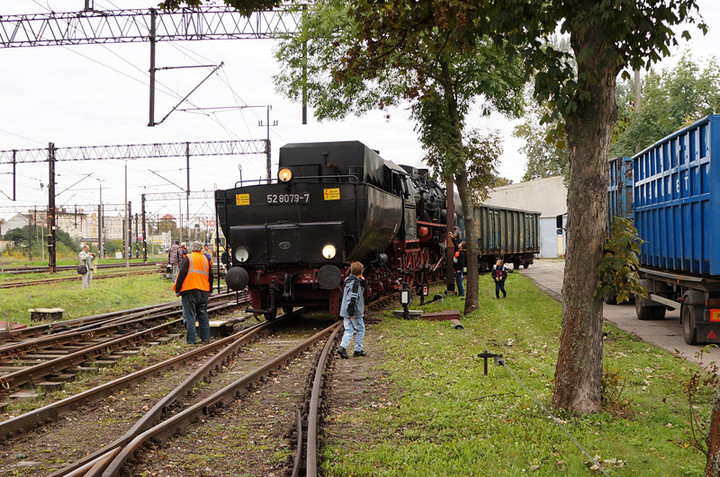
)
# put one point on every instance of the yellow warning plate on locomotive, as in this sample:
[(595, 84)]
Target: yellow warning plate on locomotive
[(331, 194), (242, 199)]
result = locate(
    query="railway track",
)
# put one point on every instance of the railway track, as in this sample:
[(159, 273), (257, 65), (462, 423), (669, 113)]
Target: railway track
[(76, 278), (26, 270), (239, 370), (58, 357)]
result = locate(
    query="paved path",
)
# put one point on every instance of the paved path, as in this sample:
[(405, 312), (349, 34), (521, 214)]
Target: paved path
[(548, 275)]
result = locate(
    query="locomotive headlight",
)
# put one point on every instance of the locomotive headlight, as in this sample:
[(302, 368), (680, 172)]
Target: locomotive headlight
[(329, 251), (285, 174), (242, 254)]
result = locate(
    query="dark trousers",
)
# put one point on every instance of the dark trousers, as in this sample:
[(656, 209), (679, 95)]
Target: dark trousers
[(500, 287), (194, 307)]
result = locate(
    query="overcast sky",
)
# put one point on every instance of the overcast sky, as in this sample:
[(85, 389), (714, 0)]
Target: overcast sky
[(98, 94)]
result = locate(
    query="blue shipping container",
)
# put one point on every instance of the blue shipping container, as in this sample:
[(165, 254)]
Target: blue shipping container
[(677, 199), (620, 192)]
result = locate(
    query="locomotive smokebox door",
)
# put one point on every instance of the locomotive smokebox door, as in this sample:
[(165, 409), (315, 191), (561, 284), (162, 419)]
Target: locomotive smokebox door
[(284, 246)]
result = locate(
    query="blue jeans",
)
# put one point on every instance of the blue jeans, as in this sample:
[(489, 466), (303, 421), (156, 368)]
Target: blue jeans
[(194, 307), (356, 324), (500, 287), (459, 281)]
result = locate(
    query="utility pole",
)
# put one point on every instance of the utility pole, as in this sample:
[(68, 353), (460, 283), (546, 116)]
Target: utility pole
[(153, 19), (51, 209), (101, 248), (187, 190), (144, 230), (128, 224), (30, 234), (125, 237), (638, 99), (267, 125)]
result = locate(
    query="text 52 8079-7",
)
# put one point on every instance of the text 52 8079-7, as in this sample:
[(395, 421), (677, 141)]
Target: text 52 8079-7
[(288, 198)]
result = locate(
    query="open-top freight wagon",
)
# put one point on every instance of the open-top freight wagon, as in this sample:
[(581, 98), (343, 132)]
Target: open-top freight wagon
[(676, 210)]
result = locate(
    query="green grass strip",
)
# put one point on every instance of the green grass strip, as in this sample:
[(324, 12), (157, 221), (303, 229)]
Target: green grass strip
[(443, 417)]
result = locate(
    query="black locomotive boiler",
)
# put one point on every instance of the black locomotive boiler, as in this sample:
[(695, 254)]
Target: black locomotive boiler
[(291, 240)]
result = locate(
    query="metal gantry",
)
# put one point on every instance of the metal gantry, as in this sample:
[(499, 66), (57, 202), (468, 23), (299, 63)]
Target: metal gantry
[(135, 151), (52, 154), (129, 26)]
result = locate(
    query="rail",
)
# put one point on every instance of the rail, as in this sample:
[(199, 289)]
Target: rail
[(229, 346), (24, 376), (204, 407)]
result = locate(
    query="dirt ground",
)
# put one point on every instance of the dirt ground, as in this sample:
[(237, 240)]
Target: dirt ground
[(355, 383)]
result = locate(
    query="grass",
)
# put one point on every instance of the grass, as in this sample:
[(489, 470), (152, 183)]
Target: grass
[(444, 417), (103, 296)]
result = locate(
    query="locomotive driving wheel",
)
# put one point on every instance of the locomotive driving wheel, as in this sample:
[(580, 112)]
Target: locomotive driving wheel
[(270, 314)]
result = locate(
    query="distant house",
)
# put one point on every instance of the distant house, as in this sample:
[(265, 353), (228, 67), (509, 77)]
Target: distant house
[(13, 221), (547, 196)]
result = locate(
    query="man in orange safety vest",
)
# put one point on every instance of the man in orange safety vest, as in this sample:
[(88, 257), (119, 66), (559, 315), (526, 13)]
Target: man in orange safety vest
[(194, 285)]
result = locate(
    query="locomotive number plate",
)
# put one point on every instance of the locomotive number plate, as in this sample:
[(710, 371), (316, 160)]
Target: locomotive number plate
[(288, 198)]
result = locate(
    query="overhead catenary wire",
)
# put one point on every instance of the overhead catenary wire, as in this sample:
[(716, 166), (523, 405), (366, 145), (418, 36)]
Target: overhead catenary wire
[(236, 98)]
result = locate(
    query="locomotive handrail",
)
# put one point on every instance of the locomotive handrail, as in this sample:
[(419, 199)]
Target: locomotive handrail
[(351, 178)]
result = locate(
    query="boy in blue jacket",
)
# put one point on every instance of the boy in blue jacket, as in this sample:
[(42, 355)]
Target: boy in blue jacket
[(352, 310)]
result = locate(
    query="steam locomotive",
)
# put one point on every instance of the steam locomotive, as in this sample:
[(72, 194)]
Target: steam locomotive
[(291, 240)]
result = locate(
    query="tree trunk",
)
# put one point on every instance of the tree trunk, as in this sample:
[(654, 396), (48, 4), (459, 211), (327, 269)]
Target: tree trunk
[(461, 179), (578, 371), (712, 467), (471, 292)]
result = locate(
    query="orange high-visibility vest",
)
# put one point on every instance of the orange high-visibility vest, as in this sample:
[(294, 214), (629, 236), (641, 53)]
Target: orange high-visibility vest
[(198, 275)]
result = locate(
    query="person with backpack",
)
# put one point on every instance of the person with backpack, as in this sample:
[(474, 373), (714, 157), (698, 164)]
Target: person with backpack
[(499, 274)]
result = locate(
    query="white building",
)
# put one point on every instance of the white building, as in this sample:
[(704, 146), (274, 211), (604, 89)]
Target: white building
[(13, 221), (547, 196)]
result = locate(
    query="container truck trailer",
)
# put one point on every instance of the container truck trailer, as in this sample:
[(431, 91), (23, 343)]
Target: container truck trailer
[(676, 210)]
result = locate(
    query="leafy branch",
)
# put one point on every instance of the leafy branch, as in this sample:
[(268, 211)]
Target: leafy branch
[(617, 273)]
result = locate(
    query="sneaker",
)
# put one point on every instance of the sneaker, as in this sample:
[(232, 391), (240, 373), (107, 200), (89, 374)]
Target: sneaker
[(343, 353), (359, 353)]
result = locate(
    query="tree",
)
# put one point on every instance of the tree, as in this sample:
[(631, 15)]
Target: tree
[(671, 99), (368, 55), (606, 37), (545, 143), (436, 53)]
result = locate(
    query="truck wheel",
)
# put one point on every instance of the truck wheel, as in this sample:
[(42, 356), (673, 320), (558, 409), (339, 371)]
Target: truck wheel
[(287, 309), (641, 309), (688, 325)]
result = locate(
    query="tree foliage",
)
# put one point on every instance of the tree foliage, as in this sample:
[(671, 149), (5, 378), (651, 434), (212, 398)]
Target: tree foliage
[(545, 143), (352, 57), (671, 99), (245, 7), (618, 271)]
